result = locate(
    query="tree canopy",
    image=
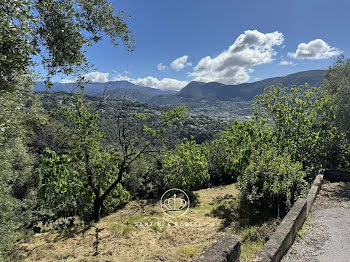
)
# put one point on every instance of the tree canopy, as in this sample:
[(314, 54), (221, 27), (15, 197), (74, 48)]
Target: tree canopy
[(54, 34)]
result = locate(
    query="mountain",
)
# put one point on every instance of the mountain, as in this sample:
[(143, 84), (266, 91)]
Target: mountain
[(196, 93), (115, 89), (212, 99)]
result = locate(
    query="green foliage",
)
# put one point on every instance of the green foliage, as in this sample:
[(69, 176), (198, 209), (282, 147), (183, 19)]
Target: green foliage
[(16, 43), (145, 180), (229, 154), (301, 120), (56, 31), (86, 179), (62, 189), (186, 167), (337, 81), (71, 182), (271, 184), (8, 206), (65, 190), (17, 114)]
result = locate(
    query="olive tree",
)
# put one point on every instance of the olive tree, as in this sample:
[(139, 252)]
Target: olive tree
[(89, 179)]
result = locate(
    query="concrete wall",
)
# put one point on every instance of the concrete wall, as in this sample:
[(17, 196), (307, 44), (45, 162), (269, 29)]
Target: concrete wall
[(226, 248), (283, 238), (313, 192)]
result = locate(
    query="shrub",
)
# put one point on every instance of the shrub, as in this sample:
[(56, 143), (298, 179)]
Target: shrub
[(271, 184), (186, 167), (65, 189), (301, 118), (145, 179), (229, 155)]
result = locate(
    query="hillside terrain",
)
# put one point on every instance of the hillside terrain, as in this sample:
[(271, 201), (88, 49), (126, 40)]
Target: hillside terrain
[(247, 91), (212, 99), (114, 89), (199, 127), (141, 232), (231, 101)]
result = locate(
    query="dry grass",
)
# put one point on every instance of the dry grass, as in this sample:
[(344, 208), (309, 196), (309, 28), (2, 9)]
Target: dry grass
[(142, 232), (138, 232)]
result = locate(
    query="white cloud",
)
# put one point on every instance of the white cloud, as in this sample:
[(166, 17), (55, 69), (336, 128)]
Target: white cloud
[(316, 49), (180, 63), (94, 77), (285, 62), (120, 77), (66, 81), (161, 67), (232, 65), (163, 84)]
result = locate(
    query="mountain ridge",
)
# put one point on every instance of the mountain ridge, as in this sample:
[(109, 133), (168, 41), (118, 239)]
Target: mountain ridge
[(115, 89), (193, 94), (200, 92)]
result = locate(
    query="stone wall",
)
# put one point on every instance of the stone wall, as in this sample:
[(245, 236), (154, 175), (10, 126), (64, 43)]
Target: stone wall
[(313, 192), (226, 248), (283, 238)]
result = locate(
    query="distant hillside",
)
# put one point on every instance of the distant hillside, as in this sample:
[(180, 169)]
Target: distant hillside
[(198, 92), (115, 89)]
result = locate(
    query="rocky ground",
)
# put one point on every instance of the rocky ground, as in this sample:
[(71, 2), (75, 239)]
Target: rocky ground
[(325, 235)]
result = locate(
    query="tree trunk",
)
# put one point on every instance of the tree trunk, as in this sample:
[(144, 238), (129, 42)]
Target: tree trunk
[(97, 210)]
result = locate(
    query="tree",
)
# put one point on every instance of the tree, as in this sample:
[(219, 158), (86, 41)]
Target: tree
[(55, 31), (89, 179), (53, 34), (229, 154), (271, 184), (337, 81), (186, 167), (301, 120), (18, 113)]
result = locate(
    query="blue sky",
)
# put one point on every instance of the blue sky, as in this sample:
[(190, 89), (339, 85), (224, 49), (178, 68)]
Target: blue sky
[(225, 41)]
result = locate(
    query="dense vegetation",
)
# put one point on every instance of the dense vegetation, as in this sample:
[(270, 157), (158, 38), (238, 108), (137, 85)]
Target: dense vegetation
[(77, 156)]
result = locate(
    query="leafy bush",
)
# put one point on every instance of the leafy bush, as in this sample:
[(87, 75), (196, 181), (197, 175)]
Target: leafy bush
[(186, 167), (229, 154), (64, 184), (8, 223), (17, 115), (145, 180), (337, 81), (301, 119), (271, 184)]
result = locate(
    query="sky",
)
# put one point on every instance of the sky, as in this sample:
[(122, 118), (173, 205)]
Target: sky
[(226, 41)]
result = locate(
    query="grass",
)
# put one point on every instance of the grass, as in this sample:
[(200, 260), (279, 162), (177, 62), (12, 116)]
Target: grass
[(249, 250), (142, 232), (304, 229)]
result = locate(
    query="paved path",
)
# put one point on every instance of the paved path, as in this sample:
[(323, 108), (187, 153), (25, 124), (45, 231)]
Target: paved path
[(325, 236)]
